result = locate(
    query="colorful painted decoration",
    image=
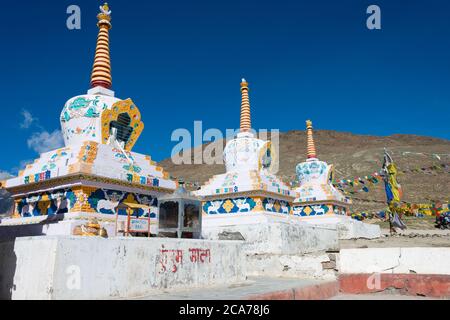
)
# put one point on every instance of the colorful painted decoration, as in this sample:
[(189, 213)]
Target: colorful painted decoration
[(48, 203), (82, 107), (238, 205), (106, 201), (80, 117), (119, 108), (318, 210)]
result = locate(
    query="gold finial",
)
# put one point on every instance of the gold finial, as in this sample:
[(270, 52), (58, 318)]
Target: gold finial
[(101, 71), (105, 8), (311, 148), (104, 17), (246, 124)]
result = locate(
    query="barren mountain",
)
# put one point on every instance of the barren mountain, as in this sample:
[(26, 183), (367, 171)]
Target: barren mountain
[(354, 156)]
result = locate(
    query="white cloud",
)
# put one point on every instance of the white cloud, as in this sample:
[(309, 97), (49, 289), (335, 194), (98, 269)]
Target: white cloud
[(44, 141), (4, 175), (40, 141), (28, 119)]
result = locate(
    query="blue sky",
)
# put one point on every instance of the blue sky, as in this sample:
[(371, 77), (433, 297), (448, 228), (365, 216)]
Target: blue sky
[(182, 61)]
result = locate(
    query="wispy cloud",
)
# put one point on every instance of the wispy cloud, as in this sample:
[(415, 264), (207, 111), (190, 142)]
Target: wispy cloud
[(4, 175), (28, 119), (44, 141), (41, 140)]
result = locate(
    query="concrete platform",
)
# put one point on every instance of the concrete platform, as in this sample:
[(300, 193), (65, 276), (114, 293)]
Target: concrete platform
[(416, 271), (277, 245), (269, 233), (417, 260), (256, 288), (60, 225), (70, 267), (263, 288), (430, 239), (346, 227)]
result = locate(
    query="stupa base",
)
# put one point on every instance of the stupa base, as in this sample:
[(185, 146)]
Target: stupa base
[(266, 232), (347, 227), (275, 244), (60, 225)]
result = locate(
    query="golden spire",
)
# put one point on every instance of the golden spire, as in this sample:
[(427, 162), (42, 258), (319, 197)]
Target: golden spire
[(311, 148), (246, 123), (101, 71)]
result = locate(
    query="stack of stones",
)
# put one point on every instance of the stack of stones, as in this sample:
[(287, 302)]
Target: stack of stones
[(91, 229)]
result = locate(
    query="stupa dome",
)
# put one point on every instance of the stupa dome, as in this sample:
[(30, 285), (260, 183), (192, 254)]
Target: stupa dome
[(81, 118), (245, 153), (313, 171)]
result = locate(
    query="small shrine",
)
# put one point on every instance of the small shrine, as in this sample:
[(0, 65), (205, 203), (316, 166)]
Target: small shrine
[(96, 170), (316, 196), (179, 214), (248, 186)]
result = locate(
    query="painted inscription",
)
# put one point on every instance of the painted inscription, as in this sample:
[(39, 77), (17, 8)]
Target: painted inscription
[(170, 260)]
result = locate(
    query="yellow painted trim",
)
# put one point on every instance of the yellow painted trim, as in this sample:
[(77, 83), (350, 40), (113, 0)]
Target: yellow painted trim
[(112, 114)]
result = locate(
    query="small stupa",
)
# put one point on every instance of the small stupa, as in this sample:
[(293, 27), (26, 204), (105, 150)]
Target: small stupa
[(318, 202), (96, 170), (316, 196), (248, 186)]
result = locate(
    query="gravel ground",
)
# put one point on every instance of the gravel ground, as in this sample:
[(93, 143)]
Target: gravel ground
[(407, 238)]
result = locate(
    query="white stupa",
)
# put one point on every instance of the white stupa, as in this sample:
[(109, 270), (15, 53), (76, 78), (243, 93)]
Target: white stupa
[(318, 202), (248, 186), (316, 196), (96, 170)]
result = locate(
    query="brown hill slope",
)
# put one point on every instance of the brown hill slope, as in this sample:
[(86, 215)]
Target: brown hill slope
[(354, 156)]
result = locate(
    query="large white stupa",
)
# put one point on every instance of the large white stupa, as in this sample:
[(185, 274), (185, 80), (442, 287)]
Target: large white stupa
[(96, 170)]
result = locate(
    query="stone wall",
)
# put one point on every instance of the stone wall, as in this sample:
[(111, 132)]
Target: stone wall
[(424, 260), (65, 267), (272, 234), (277, 246)]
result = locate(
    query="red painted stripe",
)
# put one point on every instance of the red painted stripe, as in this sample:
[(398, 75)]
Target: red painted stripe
[(407, 284), (313, 292)]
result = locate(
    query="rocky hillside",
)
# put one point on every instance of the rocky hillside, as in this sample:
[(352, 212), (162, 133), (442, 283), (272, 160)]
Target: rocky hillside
[(354, 156)]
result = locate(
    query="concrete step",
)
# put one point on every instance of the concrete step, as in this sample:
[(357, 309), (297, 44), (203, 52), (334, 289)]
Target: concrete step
[(257, 288)]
